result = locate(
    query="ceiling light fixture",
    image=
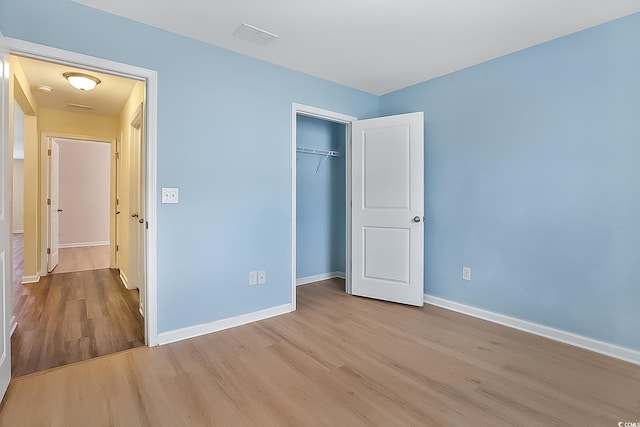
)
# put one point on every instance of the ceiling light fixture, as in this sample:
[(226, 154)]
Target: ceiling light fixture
[(82, 81)]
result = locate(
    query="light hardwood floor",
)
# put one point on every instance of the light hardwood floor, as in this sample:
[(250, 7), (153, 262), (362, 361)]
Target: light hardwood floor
[(82, 259), (68, 317), (338, 360), (71, 259)]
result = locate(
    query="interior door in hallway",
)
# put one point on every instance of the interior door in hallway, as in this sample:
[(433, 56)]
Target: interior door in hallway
[(137, 206), (388, 208), (118, 189), (5, 223), (54, 208)]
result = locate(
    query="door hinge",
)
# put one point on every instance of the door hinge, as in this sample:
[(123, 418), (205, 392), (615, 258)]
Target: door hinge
[(146, 225), (117, 155), (48, 251), (49, 202), (117, 248), (49, 152), (117, 201)]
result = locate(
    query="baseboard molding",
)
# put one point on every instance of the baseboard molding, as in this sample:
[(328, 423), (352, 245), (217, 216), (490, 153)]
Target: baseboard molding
[(219, 325), (82, 244), (622, 353), (18, 231), (30, 279), (318, 277), (124, 279), (13, 324)]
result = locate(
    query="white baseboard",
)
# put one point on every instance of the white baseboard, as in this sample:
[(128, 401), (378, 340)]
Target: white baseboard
[(30, 279), (218, 325), (18, 231), (13, 324), (319, 277), (82, 244), (601, 347), (125, 281)]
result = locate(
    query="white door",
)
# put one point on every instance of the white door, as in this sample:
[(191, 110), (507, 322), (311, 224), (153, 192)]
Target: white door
[(388, 208), (136, 203), (54, 208), (5, 219)]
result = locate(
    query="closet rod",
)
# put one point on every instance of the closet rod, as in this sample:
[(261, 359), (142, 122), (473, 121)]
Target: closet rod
[(326, 153)]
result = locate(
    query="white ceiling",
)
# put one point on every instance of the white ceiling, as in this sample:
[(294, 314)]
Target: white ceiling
[(107, 99), (377, 46)]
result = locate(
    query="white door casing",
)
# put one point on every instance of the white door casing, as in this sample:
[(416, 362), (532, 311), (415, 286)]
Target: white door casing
[(388, 208), (150, 77), (53, 203), (331, 116), (5, 223)]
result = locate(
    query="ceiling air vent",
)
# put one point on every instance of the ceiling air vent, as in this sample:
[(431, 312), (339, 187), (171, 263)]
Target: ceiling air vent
[(254, 35), (83, 107)]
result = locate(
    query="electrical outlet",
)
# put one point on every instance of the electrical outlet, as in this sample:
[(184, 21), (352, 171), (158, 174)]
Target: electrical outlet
[(262, 277), (170, 195), (253, 278), (466, 273)]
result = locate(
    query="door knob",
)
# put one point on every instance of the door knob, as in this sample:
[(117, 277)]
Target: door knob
[(60, 210), (141, 220), (417, 219), (134, 215), (117, 212)]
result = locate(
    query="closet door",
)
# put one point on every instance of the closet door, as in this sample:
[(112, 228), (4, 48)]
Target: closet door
[(388, 208)]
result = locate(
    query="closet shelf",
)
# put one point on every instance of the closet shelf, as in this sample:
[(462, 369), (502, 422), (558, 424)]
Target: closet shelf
[(328, 153), (324, 153)]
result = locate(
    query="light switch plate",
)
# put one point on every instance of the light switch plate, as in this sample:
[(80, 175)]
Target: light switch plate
[(253, 278), (170, 195)]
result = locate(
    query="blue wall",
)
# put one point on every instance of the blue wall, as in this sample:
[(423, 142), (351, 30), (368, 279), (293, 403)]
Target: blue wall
[(224, 138), (533, 180), (321, 207)]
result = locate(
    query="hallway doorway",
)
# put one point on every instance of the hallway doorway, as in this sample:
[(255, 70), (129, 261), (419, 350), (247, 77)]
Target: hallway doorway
[(79, 306)]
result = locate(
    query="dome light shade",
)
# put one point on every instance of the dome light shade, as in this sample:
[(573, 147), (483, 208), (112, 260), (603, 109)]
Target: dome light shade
[(82, 81)]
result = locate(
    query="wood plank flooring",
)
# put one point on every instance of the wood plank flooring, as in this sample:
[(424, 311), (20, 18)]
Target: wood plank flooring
[(82, 259), (68, 317), (338, 360)]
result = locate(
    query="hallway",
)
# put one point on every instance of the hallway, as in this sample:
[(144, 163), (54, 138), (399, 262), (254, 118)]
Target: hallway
[(68, 317)]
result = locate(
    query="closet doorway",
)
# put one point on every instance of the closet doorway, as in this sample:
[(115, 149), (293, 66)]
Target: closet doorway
[(319, 209)]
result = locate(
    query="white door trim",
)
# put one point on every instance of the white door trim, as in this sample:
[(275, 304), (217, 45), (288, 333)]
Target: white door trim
[(150, 77), (318, 113), (45, 175)]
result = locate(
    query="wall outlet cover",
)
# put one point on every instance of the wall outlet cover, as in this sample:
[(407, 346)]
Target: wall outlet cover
[(170, 195), (262, 277), (466, 273)]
